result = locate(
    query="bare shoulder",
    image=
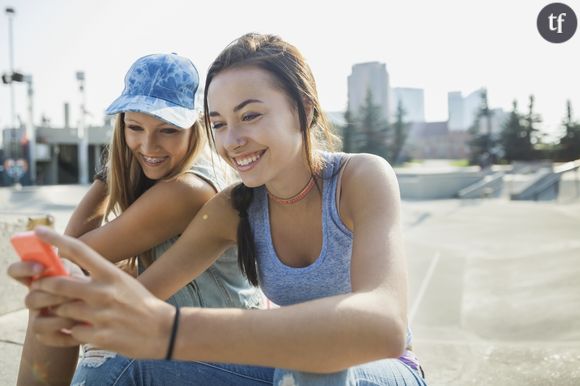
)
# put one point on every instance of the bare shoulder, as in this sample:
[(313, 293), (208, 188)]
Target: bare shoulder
[(176, 200), (368, 171), (369, 186), (185, 189), (188, 182)]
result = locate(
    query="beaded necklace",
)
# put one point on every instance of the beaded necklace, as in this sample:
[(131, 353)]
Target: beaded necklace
[(293, 200)]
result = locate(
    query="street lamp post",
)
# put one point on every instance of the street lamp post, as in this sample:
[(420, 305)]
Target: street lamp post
[(30, 129), (10, 13), (83, 138)]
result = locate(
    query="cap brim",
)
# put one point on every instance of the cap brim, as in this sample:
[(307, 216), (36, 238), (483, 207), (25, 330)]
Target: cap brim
[(176, 115)]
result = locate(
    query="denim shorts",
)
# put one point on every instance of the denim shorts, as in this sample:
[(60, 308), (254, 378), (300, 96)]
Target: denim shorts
[(104, 368)]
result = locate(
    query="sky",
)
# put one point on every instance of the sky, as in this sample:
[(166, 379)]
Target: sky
[(440, 46)]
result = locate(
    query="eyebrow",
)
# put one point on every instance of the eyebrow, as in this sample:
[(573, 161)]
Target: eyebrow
[(238, 107)]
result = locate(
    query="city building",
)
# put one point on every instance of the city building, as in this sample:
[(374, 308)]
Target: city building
[(413, 102), (463, 110), (434, 140), (56, 155), (371, 76)]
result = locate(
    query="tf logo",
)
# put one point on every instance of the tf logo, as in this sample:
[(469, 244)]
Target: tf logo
[(557, 22)]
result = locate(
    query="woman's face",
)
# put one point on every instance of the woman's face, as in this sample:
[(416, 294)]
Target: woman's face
[(255, 124), (159, 147)]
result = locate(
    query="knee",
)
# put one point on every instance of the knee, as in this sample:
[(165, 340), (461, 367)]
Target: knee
[(94, 358)]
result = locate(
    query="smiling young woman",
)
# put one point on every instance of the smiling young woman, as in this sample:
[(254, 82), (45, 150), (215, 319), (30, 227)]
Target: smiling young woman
[(332, 257), (154, 182)]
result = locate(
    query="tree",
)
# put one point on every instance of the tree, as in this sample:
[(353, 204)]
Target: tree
[(570, 142), (482, 142), (373, 128), (532, 133), (514, 137), (348, 132), (400, 132)]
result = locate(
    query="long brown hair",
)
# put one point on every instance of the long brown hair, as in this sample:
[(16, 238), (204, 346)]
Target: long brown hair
[(292, 74), (126, 181)]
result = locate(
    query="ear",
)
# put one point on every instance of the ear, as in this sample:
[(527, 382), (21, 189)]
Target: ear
[(309, 109)]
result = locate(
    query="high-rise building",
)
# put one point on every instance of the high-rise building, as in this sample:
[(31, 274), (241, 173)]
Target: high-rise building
[(463, 110), (413, 102), (371, 76)]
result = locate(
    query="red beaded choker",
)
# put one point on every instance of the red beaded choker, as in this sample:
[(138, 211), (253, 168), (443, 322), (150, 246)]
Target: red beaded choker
[(297, 197)]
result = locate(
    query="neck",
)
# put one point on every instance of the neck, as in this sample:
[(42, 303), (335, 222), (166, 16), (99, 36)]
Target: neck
[(296, 197)]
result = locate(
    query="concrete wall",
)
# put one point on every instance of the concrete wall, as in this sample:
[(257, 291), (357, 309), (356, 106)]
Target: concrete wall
[(435, 185), (569, 189)]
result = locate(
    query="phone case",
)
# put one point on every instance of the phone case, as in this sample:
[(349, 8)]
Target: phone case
[(31, 248)]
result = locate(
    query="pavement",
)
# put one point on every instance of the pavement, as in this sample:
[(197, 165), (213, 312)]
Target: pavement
[(494, 295)]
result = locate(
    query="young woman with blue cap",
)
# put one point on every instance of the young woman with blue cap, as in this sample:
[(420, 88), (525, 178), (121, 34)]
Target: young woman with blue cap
[(154, 182), (318, 231)]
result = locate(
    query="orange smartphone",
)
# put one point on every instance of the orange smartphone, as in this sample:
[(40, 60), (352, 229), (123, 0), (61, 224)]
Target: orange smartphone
[(31, 248)]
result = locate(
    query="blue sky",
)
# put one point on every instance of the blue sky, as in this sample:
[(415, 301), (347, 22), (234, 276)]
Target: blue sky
[(438, 46)]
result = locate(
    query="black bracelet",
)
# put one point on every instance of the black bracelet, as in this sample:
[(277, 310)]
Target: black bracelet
[(169, 354)]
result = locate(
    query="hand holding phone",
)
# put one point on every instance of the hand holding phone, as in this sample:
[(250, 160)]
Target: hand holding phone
[(31, 248)]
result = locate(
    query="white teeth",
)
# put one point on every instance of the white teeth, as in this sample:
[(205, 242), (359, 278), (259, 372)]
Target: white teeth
[(153, 160), (247, 160)]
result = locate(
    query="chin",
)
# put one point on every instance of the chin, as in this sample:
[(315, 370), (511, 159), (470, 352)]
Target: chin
[(155, 175), (251, 182)]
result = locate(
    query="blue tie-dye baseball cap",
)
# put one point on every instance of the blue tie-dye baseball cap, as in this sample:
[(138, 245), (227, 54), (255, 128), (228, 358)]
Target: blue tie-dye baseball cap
[(162, 85)]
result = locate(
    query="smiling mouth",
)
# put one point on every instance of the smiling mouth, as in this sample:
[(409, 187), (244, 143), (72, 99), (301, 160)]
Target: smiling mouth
[(153, 161), (247, 161)]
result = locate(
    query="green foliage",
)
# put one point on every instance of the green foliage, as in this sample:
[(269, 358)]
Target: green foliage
[(459, 163), (348, 133), (519, 134), (569, 146), (482, 143), (531, 120), (374, 128), (400, 132), (367, 131)]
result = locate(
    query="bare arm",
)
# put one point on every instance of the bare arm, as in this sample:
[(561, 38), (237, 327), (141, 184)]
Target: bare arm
[(89, 213), (324, 335), (333, 333), (161, 213), (45, 365), (208, 235)]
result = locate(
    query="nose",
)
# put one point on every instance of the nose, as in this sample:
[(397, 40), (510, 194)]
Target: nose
[(234, 139), (149, 143)]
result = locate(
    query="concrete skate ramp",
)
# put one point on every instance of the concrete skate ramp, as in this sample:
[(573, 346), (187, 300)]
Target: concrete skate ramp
[(502, 306)]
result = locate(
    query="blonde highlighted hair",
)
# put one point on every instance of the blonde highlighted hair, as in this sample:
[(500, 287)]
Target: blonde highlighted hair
[(126, 181)]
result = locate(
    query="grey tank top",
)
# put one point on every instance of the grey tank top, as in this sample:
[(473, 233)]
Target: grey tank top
[(222, 285), (329, 274)]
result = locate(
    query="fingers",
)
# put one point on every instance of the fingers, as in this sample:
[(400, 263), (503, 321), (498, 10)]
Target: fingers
[(78, 252), (70, 287), (77, 310), (55, 331), (72, 268), (38, 300), (24, 271), (84, 333)]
